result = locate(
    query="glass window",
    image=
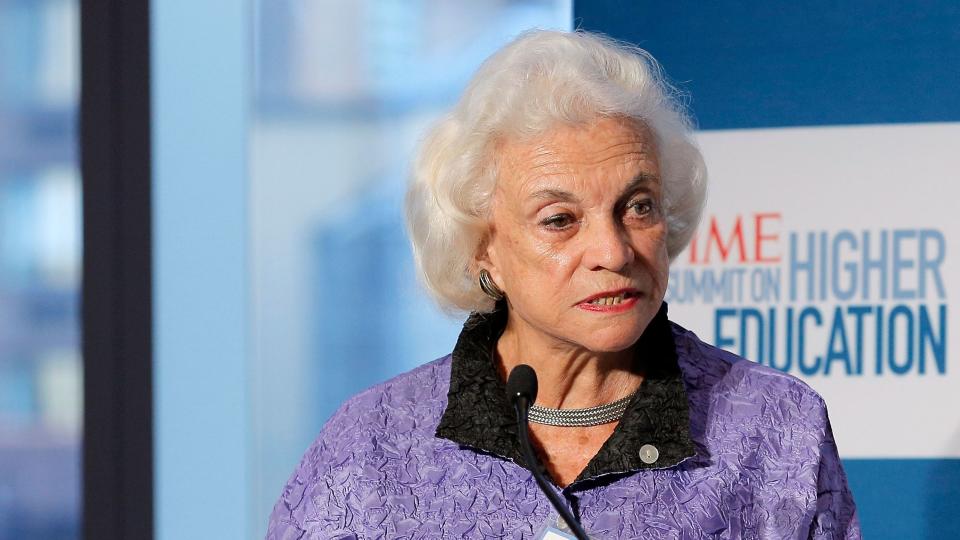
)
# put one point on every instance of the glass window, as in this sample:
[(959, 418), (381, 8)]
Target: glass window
[(343, 92), (40, 250)]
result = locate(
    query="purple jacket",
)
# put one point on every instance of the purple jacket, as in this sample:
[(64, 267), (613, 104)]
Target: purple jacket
[(738, 451)]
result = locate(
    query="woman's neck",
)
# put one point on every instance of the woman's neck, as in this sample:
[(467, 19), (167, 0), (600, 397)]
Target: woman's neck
[(569, 376)]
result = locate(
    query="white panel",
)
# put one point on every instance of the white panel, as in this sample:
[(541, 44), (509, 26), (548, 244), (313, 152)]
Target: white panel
[(838, 183)]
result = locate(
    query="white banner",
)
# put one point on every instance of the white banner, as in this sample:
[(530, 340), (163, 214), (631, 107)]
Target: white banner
[(826, 253)]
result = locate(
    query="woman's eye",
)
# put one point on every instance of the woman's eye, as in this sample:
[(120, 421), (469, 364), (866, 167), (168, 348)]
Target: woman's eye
[(641, 207), (558, 221)]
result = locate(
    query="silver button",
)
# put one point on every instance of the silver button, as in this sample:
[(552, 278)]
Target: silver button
[(561, 524), (649, 454)]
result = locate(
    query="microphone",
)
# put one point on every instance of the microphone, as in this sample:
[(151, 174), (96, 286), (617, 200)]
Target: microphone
[(522, 390)]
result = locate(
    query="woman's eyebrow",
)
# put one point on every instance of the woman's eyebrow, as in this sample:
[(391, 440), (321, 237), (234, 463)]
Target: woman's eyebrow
[(554, 195), (639, 183)]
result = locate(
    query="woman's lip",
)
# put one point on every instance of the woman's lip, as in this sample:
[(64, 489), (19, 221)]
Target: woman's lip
[(625, 305), (631, 291), (631, 296)]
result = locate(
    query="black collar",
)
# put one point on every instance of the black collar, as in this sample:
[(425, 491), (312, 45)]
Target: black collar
[(480, 416)]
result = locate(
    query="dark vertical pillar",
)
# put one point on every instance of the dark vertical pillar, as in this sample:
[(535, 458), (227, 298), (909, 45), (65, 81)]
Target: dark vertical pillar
[(116, 294)]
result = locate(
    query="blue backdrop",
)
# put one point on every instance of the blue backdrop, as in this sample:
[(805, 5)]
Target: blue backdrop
[(779, 64)]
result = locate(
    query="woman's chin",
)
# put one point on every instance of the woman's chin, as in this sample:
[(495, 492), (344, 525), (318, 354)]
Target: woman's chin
[(612, 335), (609, 342)]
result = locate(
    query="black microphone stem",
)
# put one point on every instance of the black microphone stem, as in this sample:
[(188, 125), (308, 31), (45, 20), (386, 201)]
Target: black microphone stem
[(522, 405)]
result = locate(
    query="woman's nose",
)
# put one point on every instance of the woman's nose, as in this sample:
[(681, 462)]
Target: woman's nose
[(607, 247)]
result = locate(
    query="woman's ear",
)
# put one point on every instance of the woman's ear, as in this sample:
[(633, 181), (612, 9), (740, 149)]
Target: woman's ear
[(485, 258), (486, 272)]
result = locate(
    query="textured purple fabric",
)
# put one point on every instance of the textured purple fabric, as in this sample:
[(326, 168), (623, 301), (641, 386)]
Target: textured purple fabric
[(766, 467)]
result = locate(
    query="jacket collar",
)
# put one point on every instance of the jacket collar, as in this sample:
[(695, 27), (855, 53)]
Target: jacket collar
[(479, 414)]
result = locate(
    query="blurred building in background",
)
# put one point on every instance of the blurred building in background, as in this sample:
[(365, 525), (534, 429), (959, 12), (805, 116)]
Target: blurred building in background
[(40, 249), (343, 92)]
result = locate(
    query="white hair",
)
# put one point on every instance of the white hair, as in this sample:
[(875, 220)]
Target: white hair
[(540, 79)]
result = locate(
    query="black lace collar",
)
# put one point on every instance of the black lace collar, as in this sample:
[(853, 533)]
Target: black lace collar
[(479, 415)]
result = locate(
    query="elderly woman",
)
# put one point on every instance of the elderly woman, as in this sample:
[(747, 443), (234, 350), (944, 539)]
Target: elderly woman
[(549, 203)]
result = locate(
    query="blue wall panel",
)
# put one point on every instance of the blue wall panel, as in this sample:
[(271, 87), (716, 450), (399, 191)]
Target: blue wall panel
[(766, 64)]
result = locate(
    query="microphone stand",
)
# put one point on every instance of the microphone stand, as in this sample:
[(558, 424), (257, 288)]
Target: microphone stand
[(522, 402)]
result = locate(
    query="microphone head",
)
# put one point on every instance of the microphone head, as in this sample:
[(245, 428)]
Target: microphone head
[(522, 383)]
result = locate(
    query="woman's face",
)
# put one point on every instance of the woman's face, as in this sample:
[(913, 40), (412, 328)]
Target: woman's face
[(578, 236)]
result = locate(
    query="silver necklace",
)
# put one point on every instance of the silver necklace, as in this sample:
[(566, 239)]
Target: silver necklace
[(591, 416)]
